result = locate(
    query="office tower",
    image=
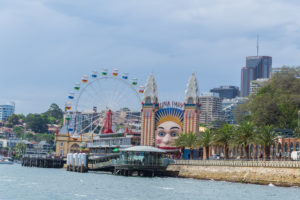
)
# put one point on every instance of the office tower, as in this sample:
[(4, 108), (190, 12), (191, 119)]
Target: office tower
[(226, 92), (256, 67)]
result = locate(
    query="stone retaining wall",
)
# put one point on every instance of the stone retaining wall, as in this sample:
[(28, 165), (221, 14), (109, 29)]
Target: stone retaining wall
[(257, 175)]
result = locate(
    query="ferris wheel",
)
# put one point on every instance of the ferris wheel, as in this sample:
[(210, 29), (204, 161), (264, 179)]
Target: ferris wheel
[(103, 103)]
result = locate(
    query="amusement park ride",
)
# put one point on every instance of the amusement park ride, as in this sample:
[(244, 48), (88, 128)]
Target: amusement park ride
[(102, 113), (106, 112)]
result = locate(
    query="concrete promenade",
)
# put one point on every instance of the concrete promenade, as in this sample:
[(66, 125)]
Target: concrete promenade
[(280, 173)]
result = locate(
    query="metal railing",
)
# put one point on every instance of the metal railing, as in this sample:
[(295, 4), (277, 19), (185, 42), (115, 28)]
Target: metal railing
[(240, 163)]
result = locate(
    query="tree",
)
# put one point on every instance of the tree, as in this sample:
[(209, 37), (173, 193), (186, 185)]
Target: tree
[(19, 131), (205, 141), (218, 123), (20, 149), (241, 112), (188, 140), (266, 137), (245, 136), (180, 142), (54, 111), (278, 102), (297, 132), (29, 136), (36, 123), (21, 116), (13, 119), (223, 137)]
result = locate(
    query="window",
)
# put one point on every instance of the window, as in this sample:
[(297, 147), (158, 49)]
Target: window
[(61, 144), (61, 152), (286, 147), (190, 100), (279, 147), (148, 100)]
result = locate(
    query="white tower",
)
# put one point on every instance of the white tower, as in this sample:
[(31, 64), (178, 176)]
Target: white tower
[(149, 107), (191, 106)]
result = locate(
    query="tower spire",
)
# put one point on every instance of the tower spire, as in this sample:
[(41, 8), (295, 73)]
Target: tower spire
[(257, 45), (149, 107), (191, 106), (150, 90), (192, 90)]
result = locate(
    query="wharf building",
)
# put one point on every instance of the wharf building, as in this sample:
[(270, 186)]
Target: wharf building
[(6, 111), (226, 92), (256, 67), (211, 107)]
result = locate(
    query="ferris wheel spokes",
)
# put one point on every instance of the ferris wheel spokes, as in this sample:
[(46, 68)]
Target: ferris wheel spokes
[(96, 94)]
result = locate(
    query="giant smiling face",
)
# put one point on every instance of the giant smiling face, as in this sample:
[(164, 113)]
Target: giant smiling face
[(166, 134)]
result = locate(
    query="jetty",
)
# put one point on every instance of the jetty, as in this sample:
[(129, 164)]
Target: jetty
[(141, 161), (42, 161), (133, 161)]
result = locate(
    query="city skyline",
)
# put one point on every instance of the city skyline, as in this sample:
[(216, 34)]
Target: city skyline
[(48, 45)]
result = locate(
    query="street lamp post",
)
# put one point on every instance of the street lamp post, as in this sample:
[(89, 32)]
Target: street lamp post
[(299, 118)]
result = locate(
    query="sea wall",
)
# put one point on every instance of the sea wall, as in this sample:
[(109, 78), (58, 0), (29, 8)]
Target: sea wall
[(257, 175)]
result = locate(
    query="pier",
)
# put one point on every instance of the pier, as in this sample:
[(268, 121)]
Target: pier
[(141, 161), (42, 162)]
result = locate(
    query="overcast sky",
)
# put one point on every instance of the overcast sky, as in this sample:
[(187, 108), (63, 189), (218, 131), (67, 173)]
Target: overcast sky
[(47, 45)]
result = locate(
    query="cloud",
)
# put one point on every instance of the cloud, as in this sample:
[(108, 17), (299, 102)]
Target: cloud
[(47, 45)]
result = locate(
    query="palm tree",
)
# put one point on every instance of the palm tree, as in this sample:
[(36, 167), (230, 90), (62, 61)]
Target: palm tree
[(180, 142), (245, 136), (223, 137), (266, 137), (188, 140), (205, 141), (297, 132)]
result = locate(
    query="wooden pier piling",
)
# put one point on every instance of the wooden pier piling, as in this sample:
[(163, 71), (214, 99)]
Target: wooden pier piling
[(42, 162)]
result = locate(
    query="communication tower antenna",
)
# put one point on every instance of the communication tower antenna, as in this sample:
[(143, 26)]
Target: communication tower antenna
[(257, 45)]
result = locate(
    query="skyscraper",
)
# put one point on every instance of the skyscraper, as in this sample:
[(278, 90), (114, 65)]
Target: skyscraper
[(6, 111), (226, 92), (256, 67), (211, 107)]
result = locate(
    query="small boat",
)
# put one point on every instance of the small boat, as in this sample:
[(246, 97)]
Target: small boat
[(6, 160)]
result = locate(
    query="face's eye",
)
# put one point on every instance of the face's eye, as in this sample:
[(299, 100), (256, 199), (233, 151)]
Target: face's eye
[(174, 134), (161, 134)]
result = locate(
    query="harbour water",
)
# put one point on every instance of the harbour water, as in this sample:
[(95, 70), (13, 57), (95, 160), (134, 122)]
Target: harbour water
[(18, 182)]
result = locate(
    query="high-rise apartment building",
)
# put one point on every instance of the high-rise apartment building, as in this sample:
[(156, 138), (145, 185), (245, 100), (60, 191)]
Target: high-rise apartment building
[(211, 107), (228, 108), (256, 67), (226, 92), (6, 111), (255, 85)]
